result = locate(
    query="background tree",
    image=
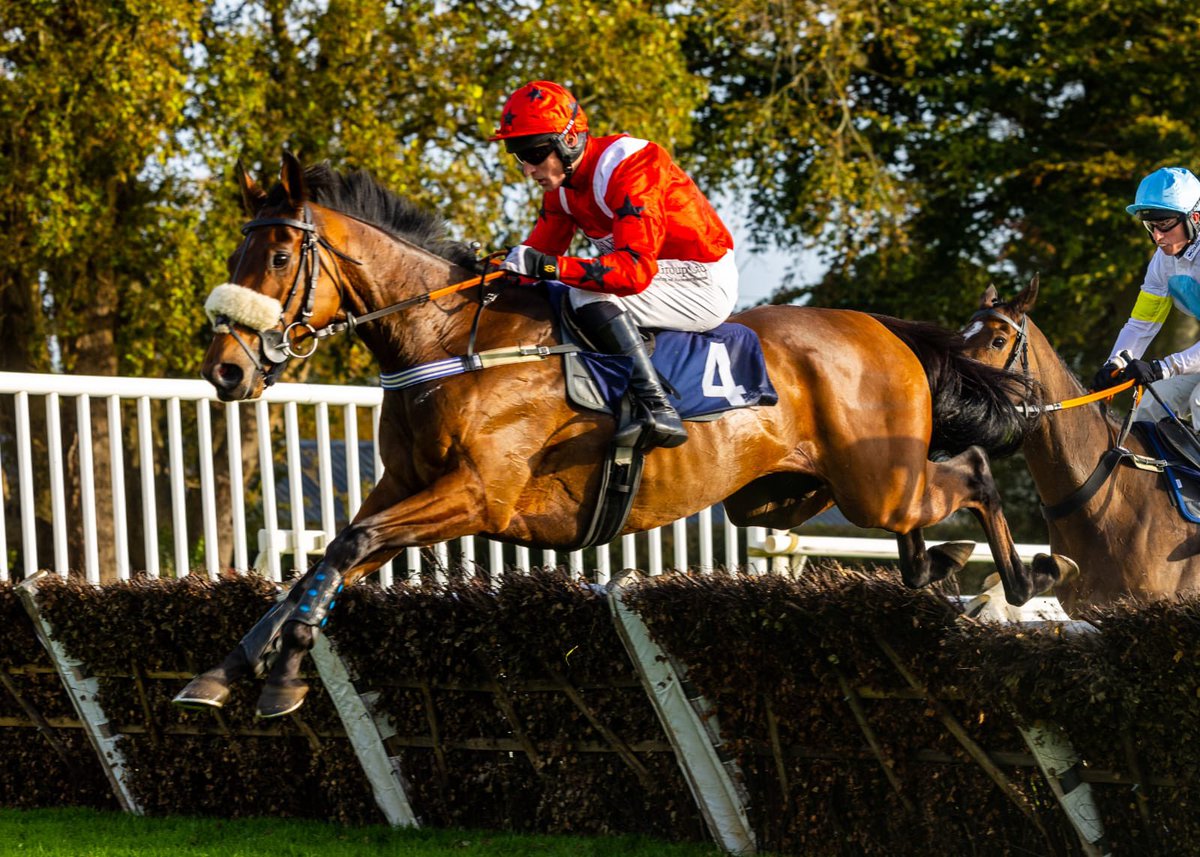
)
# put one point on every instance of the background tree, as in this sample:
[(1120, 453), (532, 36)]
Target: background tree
[(928, 148)]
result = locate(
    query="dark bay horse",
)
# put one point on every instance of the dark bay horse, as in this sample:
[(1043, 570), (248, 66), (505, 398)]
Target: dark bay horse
[(1128, 539), (501, 453)]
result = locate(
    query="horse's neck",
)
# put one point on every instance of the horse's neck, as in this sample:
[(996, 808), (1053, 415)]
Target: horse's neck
[(396, 272), (1066, 445)]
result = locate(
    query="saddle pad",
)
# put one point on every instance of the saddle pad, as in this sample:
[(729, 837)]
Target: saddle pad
[(1183, 481), (706, 373)]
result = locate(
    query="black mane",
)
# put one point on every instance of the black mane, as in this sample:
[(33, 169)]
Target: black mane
[(360, 196), (972, 402)]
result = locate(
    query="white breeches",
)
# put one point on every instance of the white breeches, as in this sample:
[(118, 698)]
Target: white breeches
[(1182, 395), (694, 296)]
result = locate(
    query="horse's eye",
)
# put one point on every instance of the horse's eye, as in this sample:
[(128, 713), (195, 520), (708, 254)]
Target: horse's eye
[(999, 342), (280, 259)]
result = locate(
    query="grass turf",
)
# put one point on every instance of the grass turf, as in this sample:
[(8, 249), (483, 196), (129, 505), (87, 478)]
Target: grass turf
[(88, 833)]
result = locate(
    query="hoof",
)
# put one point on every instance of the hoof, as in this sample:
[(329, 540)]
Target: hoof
[(948, 558), (276, 700), (1057, 567), (203, 692)]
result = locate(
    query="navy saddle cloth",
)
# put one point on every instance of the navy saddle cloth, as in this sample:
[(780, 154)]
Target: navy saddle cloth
[(1168, 441), (706, 374)]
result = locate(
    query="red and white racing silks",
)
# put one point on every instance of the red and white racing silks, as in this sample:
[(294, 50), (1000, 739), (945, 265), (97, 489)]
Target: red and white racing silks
[(636, 206)]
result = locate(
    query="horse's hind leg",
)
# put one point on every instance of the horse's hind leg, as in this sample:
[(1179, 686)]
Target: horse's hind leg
[(983, 500), (964, 481)]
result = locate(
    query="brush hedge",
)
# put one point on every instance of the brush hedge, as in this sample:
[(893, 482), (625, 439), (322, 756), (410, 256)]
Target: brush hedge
[(866, 718)]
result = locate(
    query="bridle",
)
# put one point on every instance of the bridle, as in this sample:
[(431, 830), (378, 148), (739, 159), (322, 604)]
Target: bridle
[(1115, 455), (277, 339), (277, 342), (1020, 349)]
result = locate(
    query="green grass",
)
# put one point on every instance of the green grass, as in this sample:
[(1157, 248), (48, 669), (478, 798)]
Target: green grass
[(86, 833)]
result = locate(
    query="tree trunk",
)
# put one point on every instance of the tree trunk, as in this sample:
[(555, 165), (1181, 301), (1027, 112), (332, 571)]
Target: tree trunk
[(94, 353)]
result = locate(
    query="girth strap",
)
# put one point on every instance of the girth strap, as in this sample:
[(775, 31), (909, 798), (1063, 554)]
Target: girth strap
[(1104, 469), (471, 363)]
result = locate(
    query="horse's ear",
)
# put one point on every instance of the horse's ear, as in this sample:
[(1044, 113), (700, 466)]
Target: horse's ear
[(291, 176), (253, 196), (1025, 301), (989, 298)]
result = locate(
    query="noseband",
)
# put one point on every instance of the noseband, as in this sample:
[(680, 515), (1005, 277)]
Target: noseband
[(276, 345)]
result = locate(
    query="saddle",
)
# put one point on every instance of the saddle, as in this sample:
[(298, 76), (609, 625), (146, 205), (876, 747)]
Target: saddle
[(705, 375), (1179, 448)]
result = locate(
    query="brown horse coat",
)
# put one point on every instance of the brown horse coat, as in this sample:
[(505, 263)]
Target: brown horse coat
[(501, 452), (1128, 539)]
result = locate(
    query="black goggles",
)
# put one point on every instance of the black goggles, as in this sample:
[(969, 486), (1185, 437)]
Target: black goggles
[(535, 155), (1162, 226)]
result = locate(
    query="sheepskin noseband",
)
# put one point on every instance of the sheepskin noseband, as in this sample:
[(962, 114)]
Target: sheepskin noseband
[(242, 305)]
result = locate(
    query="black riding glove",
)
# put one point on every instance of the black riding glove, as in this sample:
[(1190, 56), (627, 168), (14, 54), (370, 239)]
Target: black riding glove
[(528, 262), (1143, 372), (1107, 376)]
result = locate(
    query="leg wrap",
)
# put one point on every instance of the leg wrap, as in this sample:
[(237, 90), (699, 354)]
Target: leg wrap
[(261, 643), (308, 602), (317, 596)]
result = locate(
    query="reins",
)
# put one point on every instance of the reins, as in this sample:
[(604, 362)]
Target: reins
[(1111, 458), (278, 345), (1065, 404), (352, 321)]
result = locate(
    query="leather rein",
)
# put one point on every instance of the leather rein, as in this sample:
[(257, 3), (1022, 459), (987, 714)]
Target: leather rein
[(277, 344), (1109, 459)]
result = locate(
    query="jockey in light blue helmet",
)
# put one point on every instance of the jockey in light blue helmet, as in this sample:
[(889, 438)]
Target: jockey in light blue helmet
[(1168, 204), (1166, 195)]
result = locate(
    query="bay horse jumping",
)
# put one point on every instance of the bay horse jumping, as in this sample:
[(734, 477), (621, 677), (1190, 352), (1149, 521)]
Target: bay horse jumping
[(1128, 539), (501, 453)]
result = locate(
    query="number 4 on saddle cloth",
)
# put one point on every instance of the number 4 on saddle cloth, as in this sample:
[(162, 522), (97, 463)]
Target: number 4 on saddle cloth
[(704, 374), (1179, 448)]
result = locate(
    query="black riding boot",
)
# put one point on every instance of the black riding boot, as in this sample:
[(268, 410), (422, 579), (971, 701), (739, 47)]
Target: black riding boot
[(612, 330)]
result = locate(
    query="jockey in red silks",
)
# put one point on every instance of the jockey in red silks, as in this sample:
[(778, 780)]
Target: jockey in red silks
[(663, 258)]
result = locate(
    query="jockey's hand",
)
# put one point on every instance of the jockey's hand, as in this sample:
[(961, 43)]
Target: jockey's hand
[(1107, 376), (1143, 372), (527, 262)]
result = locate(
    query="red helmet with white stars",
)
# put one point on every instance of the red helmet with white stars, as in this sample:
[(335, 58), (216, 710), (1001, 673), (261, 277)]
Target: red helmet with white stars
[(540, 107)]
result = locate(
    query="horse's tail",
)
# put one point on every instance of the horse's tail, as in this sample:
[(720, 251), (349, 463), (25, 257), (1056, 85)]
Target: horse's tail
[(973, 404)]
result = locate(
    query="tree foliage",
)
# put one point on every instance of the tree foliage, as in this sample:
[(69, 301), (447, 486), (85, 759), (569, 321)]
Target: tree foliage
[(929, 147), (923, 149)]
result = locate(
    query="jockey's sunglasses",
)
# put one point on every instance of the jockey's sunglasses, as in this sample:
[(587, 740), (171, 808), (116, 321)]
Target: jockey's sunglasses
[(1162, 226), (534, 156)]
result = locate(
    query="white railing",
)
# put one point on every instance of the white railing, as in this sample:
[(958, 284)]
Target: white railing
[(176, 468)]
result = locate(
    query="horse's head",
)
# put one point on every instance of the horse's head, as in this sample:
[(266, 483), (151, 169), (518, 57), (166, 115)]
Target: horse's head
[(284, 287), (997, 333)]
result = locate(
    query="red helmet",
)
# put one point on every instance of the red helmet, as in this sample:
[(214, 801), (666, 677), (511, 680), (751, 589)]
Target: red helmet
[(540, 107)]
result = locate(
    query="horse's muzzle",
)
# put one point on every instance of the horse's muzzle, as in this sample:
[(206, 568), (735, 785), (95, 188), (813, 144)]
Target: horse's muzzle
[(231, 382)]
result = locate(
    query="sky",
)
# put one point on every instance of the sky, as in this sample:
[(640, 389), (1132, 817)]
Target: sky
[(762, 273)]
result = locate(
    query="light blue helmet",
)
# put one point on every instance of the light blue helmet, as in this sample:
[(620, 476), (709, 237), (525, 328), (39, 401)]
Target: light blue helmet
[(1167, 189)]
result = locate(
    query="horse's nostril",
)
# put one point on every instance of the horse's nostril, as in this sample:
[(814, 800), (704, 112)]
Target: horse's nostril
[(228, 375)]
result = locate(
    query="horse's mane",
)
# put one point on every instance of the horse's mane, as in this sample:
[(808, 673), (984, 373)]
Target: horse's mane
[(359, 195), (973, 404)]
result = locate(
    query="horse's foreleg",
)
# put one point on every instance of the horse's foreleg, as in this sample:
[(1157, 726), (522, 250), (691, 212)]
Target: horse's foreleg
[(255, 652), (965, 481), (387, 524)]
